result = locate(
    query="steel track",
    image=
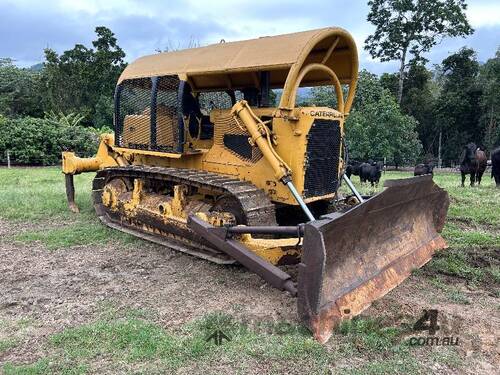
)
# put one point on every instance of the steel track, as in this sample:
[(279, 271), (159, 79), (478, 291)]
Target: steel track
[(256, 206)]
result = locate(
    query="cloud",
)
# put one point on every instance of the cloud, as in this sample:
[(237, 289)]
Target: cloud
[(484, 13), (28, 26)]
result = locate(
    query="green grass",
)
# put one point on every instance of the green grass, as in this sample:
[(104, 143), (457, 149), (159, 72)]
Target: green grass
[(133, 340), (37, 196), (136, 340), (399, 365), (456, 263), (371, 335), (6, 344), (129, 341), (452, 293), (78, 234), (45, 366)]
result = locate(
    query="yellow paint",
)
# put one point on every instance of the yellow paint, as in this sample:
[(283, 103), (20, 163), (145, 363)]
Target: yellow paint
[(279, 136), (131, 204), (179, 201), (272, 250)]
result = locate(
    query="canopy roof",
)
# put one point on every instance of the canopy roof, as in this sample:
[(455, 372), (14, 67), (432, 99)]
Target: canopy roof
[(236, 64)]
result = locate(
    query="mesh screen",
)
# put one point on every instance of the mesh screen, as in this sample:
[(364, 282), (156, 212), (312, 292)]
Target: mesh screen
[(133, 117), (136, 126), (214, 100), (228, 134), (167, 113)]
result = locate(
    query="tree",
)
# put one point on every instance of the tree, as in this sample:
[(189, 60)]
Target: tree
[(83, 79), (457, 109), (20, 90), (419, 95), (376, 127), (407, 28), (489, 81)]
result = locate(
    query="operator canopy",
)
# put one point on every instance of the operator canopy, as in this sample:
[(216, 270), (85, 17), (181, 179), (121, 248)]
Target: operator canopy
[(234, 65)]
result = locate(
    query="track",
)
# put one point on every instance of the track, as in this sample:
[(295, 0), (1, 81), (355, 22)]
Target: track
[(255, 206)]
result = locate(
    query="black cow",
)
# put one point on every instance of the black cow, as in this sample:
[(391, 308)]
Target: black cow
[(421, 169), (353, 169), (473, 161), (370, 172), (495, 166)]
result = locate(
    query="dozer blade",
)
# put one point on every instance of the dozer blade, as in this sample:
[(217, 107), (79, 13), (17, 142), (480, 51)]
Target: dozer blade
[(351, 259)]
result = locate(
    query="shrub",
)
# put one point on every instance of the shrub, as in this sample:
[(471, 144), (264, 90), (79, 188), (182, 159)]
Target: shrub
[(40, 141)]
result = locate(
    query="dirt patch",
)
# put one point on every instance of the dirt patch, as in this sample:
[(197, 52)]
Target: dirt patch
[(467, 224), (476, 324), (11, 229), (68, 287), (42, 292)]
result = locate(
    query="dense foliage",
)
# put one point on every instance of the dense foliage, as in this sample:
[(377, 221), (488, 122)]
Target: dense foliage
[(83, 79), (459, 100), (377, 129), (21, 90), (40, 141)]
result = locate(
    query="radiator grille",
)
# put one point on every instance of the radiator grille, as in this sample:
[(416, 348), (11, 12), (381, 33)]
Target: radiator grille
[(322, 158)]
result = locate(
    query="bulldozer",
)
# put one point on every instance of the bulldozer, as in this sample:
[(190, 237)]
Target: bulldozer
[(211, 155)]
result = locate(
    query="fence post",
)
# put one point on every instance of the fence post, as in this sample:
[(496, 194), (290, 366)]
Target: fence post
[(440, 162), (8, 159)]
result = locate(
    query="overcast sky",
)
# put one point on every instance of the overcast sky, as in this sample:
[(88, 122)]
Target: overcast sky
[(28, 26)]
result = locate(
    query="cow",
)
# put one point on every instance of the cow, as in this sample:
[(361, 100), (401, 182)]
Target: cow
[(495, 166), (353, 169), (370, 172), (482, 162), (473, 161), (422, 169)]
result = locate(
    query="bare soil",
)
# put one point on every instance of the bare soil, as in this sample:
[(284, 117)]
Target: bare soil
[(69, 287)]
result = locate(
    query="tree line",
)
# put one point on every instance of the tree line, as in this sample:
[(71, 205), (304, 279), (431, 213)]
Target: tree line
[(415, 114), (455, 103), (62, 104)]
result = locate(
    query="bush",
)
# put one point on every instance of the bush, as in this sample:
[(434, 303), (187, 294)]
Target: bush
[(40, 141)]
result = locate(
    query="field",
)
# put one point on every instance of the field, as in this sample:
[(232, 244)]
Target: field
[(77, 298)]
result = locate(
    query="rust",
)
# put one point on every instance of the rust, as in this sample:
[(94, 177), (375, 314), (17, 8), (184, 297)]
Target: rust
[(352, 259), (255, 207)]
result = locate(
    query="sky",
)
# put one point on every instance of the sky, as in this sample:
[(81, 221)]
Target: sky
[(141, 27)]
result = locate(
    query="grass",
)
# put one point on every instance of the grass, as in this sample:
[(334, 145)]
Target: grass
[(78, 234), (6, 344), (452, 293), (45, 366), (133, 341), (129, 341), (37, 196)]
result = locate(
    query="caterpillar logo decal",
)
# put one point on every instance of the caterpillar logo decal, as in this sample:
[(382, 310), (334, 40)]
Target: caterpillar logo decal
[(325, 114)]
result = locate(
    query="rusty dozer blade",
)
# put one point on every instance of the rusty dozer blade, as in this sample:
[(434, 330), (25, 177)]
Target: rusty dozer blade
[(351, 259)]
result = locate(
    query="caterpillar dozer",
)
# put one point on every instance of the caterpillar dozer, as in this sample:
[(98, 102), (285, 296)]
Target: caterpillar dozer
[(212, 156)]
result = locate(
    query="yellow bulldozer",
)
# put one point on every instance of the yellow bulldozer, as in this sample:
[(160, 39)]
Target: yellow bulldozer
[(211, 156)]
